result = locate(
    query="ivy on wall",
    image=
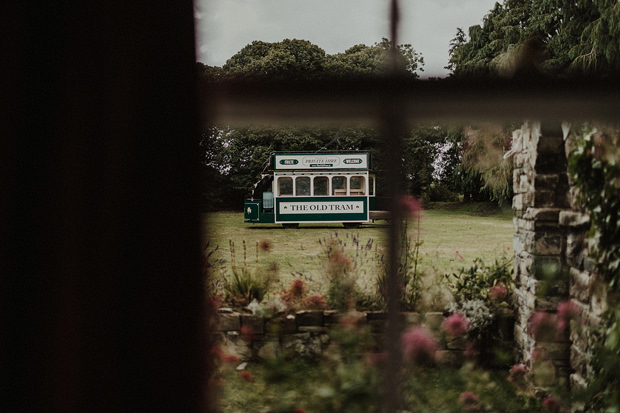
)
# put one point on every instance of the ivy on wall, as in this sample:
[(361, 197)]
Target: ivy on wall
[(594, 166)]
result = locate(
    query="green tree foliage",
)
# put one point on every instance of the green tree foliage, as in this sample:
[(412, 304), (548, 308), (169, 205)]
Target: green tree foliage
[(486, 174), (556, 37), (288, 59)]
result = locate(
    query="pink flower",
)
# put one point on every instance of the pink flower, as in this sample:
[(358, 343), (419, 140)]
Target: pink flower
[(246, 375), (517, 373), (419, 345), (459, 256), (247, 333), (316, 302), (567, 311), (265, 245), (410, 206), (456, 324), (543, 325), (550, 404), (230, 358), (498, 292), (297, 289), (470, 401)]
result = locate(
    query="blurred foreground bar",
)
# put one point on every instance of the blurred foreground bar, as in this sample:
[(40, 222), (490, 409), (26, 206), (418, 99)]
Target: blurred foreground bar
[(362, 101)]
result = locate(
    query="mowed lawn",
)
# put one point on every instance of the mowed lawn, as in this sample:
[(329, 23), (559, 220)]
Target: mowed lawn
[(451, 238)]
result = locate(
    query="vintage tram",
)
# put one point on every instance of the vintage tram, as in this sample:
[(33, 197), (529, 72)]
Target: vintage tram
[(297, 188)]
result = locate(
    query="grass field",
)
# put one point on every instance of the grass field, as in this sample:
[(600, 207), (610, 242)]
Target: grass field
[(452, 238)]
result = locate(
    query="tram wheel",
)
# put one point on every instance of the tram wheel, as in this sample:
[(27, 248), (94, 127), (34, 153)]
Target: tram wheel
[(351, 224), (292, 226)]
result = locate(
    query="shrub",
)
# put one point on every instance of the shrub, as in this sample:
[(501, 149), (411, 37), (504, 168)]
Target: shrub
[(245, 284), (490, 283)]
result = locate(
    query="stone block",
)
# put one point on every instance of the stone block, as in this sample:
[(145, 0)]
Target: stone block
[(575, 249), (524, 185), (313, 330), (253, 322), (519, 160), (547, 244), (433, 320), (598, 303), (574, 219), (517, 202), (309, 318), (376, 315), (303, 345), (227, 322), (330, 317), (526, 224), (413, 318), (234, 345), (544, 198), (580, 284), (546, 182), (577, 383), (281, 325)]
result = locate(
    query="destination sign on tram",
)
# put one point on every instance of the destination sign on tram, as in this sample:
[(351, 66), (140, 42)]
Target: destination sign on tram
[(321, 161), (330, 207)]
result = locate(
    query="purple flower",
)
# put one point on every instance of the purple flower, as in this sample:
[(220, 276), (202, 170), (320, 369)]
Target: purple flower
[(456, 325), (419, 345)]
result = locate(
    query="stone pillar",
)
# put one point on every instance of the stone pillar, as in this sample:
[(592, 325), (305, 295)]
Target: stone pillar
[(540, 184)]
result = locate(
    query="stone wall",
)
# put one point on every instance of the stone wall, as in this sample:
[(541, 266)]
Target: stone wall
[(307, 334), (551, 254)]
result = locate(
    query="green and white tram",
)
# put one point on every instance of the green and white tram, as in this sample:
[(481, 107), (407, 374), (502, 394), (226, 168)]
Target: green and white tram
[(298, 188)]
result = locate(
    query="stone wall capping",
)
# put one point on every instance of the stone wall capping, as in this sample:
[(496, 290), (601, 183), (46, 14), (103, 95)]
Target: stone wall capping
[(574, 219), (542, 214)]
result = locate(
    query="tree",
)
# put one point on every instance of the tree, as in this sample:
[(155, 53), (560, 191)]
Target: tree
[(556, 37)]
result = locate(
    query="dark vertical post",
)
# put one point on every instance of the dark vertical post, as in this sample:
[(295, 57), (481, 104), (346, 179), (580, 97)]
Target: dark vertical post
[(393, 128)]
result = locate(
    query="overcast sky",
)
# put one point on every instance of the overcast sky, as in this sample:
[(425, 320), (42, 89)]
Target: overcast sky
[(223, 27)]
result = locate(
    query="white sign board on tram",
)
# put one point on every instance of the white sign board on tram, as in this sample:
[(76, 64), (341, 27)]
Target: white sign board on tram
[(320, 161)]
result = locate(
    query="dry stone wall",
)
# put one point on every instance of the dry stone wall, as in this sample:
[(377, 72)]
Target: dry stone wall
[(307, 334)]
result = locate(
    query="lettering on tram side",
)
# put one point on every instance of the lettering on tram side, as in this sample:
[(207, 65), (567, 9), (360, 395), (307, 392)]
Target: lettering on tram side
[(351, 207)]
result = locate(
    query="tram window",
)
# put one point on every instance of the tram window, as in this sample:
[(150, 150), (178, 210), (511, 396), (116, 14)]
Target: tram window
[(321, 185), (302, 185), (339, 185), (358, 185), (285, 186), (371, 185)]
